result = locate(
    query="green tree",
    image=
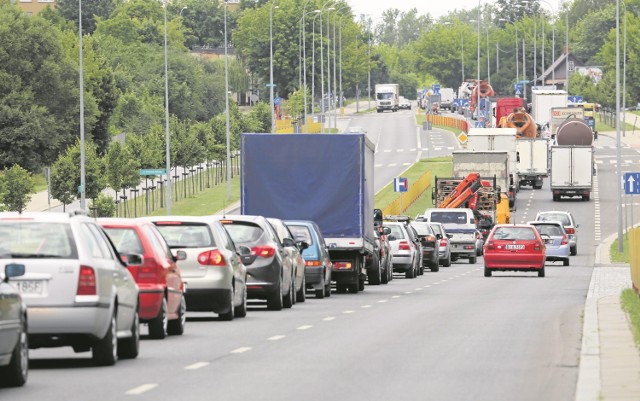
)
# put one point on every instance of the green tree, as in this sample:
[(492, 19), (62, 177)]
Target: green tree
[(16, 188), (91, 10), (104, 206), (64, 186), (122, 169)]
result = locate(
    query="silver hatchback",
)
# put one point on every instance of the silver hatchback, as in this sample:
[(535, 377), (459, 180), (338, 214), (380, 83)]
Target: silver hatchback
[(405, 257), (569, 223), (77, 290)]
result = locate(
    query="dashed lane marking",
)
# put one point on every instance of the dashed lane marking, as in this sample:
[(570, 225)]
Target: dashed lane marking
[(366, 306), (329, 318), (408, 292), (276, 338), (395, 296), (196, 366), (142, 389), (348, 311), (241, 350), (305, 327), (382, 301)]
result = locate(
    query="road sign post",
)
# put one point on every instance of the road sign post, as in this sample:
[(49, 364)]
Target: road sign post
[(400, 184)]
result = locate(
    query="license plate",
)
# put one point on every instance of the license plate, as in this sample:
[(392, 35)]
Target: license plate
[(29, 286), (514, 246)]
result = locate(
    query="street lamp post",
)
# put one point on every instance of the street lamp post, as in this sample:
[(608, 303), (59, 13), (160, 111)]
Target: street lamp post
[(166, 115), (478, 65), (82, 150), (226, 101), (313, 63), (335, 75), (618, 151), (271, 100)]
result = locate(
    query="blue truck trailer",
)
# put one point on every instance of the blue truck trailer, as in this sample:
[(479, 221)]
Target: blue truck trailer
[(326, 178)]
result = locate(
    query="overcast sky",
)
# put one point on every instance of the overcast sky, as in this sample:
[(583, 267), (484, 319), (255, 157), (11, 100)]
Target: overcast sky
[(436, 8)]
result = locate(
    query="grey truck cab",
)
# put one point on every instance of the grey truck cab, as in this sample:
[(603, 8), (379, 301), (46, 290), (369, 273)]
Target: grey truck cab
[(461, 224)]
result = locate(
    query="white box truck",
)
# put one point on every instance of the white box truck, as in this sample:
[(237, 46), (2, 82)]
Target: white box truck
[(447, 95), (533, 161), (498, 139), (571, 171), (543, 101), (387, 97)]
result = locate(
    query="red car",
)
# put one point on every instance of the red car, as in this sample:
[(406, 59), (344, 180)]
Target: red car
[(162, 302), (514, 247)]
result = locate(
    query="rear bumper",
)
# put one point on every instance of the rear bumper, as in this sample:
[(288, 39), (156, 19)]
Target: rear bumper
[(313, 275), (463, 249), (513, 261), (91, 321), (208, 300)]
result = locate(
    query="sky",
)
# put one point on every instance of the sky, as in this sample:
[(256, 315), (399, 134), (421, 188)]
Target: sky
[(436, 8)]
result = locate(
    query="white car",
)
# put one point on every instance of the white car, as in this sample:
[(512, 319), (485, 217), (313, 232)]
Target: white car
[(405, 257), (404, 104), (355, 130)]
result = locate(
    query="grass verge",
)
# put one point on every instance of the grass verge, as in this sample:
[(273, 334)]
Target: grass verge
[(601, 126), (420, 118), (206, 202), (631, 304), (617, 257), (439, 166)]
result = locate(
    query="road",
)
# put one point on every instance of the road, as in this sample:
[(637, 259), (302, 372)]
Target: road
[(451, 335)]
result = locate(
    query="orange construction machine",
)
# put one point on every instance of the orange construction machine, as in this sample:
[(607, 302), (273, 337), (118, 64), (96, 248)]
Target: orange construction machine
[(522, 122), (485, 91)]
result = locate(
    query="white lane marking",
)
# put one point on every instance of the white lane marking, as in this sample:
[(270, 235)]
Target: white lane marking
[(276, 338), (387, 151), (305, 327), (418, 144), (378, 141), (418, 289), (241, 350), (379, 165), (427, 286), (349, 311), (329, 318), (196, 366), (412, 150), (406, 164), (399, 150), (382, 301), (366, 306), (396, 296), (142, 389), (408, 292), (392, 164)]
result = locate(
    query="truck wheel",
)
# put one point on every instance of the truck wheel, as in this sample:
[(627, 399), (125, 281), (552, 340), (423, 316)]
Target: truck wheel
[(361, 285), (556, 198), (586, 198), (473, 260)]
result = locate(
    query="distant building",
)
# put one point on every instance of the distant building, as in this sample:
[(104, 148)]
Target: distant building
[(33, 7), (556, 74)]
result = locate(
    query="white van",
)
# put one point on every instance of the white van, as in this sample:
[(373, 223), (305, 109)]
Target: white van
[(461, 223)]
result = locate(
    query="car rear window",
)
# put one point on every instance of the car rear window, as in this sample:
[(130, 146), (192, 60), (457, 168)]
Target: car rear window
[(561, 217), (32, 240), (449, 217), (242, 232), (514, 233), (396, 231), (301, 233), (436, 228), (126, 240), (551, 230), (186, 235), (422, 228)]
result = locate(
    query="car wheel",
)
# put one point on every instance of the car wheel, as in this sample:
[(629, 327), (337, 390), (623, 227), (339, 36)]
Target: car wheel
[(301, 296), (447, 262), (289, 300), (275, 301), (341, 288), (487, 272), (128, 348), (176, 327), (565, 262), (473, 260), (541, 272), (230, 314), (158, 326), (556, 198), (574, 250), (16, 372), (435, 267), (327, 289), (241, 311), (410, 273), (384, 275), (375, 273), (105, 350), (319, 292)]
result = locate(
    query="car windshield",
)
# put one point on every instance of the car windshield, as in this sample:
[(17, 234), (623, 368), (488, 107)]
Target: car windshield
[(561, 217), (384, 96), (551, 230), (31, 240), (301, 233), (514, 233), (396, 231), (449, 217), (126, 240), (186, 235)]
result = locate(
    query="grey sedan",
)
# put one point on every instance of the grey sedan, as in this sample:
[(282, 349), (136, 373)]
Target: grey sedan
[(14, 344)]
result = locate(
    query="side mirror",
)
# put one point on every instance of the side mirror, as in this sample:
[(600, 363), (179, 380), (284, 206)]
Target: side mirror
[(449, 235), (288, 242), (181, 255), (13, 270), (387, 230), (392, 237), (133, 259), (302, 245)]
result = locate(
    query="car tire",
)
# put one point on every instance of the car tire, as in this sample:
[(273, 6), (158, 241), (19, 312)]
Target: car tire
[(241, 311), (275, 300), (289, 300), (435, 268), (376, 272), (301, 295), (342, 288), (176, 327), (159, 324), (487, 272), (105, 351), (319, 292), (384, 275), (473, 260), (128, 348), (327, 289), (230, 314), (573, 251), (556, 198), (541, 272), (565, 262), (447, 262), (410, 273), (16, 372)]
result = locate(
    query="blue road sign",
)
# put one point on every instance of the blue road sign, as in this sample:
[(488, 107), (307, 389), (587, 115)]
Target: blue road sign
[(435, 88), (631, 183), (153, 171), (575, 99), (461, 102), (276, 100), (400, 185), (519, 87)]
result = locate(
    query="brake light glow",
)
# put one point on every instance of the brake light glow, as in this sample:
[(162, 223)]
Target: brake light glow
[(490, 245), (168, 223), (86, 281), (404, 246), (211, 258), (443, 242), (313, 263), (263, 251), (342, 265), (570, 230), (563, 241)]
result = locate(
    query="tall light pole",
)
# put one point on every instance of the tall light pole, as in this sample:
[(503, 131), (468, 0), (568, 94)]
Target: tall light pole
[(335, 81), (273, 113), (313, 63), (618, 150), (82, 151), (304, 61), (340, 62), (166, 115), (226, 102), (624, 72), (478, 65), (488, 59)]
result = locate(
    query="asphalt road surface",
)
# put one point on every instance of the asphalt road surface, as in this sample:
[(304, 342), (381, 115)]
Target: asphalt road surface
[(450, 335)]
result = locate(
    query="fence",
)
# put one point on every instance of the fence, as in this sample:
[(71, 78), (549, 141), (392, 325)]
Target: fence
[(448, 122), (288, 126), (634, 257), (406, 199)]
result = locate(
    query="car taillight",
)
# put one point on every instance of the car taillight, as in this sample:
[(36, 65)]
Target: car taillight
[(490, 245), (86, 281), (570, 230), (312, 263), (537, 246), (263, 251), (404, 246), (148, 271), (443, 242), (430, 238), (342, 265), (563, 241), (211, 258)]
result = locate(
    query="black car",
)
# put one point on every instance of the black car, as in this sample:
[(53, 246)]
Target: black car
[(429, 242)]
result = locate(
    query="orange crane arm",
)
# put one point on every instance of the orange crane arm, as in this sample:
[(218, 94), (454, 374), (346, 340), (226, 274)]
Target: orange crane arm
[(459, 189)]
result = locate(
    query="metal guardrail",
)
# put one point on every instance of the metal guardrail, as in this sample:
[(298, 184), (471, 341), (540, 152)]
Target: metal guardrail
[(406, 199)]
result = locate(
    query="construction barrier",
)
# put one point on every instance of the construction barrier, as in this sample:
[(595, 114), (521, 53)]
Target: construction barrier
[(634, 257), (406, 199), (448, 122), (286, 126)]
